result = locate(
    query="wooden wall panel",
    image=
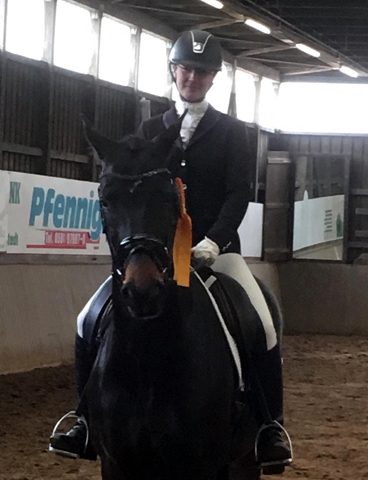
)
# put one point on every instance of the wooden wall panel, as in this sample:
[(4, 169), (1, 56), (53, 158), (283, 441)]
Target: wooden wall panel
[(67, 169), (116, 111), (68, 97), (23, 103), (19, 163)]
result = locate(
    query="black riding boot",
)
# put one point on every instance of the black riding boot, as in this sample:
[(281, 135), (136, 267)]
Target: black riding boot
[(74, 442), (273, 452)]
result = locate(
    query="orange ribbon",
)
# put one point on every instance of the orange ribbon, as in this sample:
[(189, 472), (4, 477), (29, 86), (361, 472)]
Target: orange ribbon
[(182, 250)]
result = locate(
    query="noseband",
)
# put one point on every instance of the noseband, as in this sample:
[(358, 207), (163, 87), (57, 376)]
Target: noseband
[(151, 246)]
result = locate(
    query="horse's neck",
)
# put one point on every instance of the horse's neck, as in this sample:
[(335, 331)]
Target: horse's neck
[(143, 338)]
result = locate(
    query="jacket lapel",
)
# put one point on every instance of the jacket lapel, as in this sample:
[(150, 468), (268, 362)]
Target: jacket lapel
[(169, 118), (209, 119)]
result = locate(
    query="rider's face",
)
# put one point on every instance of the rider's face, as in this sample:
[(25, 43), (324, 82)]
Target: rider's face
[(192, 83)]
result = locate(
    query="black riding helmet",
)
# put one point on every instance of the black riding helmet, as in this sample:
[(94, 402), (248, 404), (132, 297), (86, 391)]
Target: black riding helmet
[(198, 49)]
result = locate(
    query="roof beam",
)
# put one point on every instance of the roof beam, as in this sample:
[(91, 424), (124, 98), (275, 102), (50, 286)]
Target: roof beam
[(215, 24), (244, 41), (167, 11), (311, 70), (284, 62), (261, 51)]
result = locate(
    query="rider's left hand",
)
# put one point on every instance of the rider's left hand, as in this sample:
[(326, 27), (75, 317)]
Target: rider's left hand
[(206, 251)]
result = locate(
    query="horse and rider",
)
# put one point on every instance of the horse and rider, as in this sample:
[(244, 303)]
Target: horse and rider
[(209, 152)]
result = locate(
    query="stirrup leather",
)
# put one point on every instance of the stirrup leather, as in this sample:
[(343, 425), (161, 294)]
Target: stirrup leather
[(275, 463), (64, 453)]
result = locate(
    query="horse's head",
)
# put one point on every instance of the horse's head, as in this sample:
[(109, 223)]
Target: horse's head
[(140, 209)]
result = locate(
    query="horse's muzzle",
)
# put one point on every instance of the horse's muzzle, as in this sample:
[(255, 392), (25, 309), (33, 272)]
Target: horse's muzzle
[(146, 304), (142, 262)]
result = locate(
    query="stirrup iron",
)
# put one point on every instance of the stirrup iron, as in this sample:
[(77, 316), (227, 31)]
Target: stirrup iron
[(272, 466), (63, 453)]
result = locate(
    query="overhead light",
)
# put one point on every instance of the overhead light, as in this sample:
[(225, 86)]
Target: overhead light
[(309, 50), (214, 3), (258, 26), (349, 71)]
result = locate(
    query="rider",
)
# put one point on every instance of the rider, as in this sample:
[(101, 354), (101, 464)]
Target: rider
[(212, 159)]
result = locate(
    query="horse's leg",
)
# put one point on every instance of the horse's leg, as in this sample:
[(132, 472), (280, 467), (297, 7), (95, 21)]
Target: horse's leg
[(109, 471), (244, 468), (223, 473)]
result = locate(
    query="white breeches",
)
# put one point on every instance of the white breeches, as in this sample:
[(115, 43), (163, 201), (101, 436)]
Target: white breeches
[(233, 264)]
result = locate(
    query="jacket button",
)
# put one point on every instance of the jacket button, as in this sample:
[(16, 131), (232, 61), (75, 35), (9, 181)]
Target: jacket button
[(183, 163)]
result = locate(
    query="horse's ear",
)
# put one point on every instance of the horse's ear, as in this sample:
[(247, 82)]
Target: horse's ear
[(163, 142), (98, 142)]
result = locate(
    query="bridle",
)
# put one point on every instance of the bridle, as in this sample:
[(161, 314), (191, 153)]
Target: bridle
[(140, 243)]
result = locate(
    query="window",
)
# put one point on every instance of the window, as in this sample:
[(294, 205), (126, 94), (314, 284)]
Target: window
[(74, 38), (25, 28), (219, 94), (268, 104), (323, 108), (153, 65), (116, 53), (245, 95)]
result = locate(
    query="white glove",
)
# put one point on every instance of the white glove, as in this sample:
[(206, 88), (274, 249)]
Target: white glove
[(206, 251)]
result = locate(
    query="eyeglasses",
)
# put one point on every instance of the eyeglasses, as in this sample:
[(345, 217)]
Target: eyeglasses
[(202, 72)]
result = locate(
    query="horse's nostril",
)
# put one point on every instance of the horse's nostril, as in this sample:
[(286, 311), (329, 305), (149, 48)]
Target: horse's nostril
[(126, 292)]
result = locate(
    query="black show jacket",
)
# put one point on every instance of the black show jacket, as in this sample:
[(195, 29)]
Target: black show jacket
[(214, 168)]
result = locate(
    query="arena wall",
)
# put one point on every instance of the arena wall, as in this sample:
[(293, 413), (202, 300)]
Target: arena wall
[(39, 305), (38, 309), (324, 298)]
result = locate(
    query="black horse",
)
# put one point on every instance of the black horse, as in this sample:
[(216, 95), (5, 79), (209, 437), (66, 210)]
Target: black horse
[(163, 397)]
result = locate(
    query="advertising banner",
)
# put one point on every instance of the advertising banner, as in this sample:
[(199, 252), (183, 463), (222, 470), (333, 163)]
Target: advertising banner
[(48, 215), (318, 220), (53, 215)]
